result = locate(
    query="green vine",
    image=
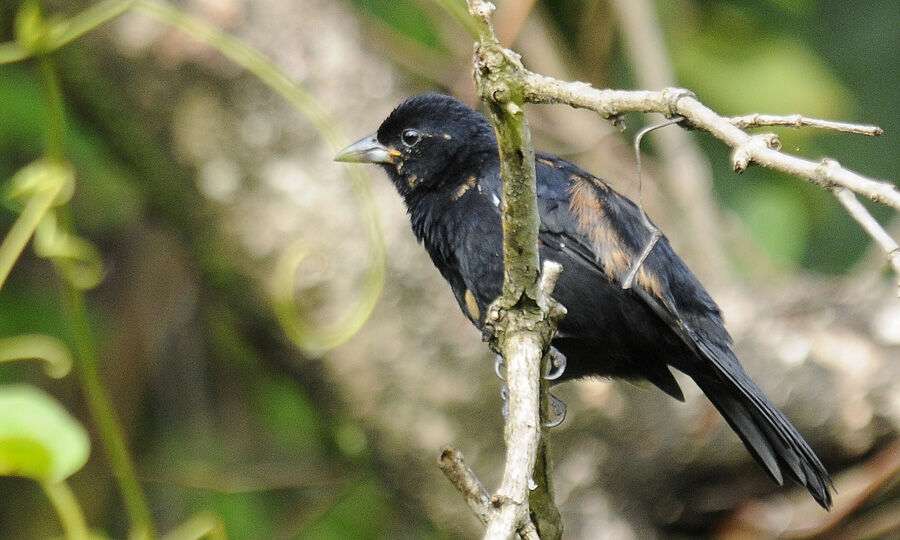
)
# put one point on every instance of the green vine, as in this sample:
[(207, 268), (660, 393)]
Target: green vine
[(47, 185), (67, 508), (306, 336), (40, 347)]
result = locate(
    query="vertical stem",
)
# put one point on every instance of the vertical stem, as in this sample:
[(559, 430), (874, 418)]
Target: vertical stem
[(522, 327), (86, 358), (110, 431), (53, 136), (521, 432), (69, 511)]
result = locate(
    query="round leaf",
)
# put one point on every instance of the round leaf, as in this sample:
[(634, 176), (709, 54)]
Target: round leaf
[(38, 438)]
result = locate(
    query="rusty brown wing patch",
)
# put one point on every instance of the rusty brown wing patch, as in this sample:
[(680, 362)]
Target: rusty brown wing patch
[(550, 163), (651, 282), (587, 197), (472, 306), (593, 225)]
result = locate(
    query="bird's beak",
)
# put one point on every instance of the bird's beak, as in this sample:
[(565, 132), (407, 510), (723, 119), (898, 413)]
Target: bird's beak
[(367, 150)]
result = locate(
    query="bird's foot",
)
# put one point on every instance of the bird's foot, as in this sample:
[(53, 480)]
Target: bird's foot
[(559, 411), (556, 405), (557, 364), (499, 366)]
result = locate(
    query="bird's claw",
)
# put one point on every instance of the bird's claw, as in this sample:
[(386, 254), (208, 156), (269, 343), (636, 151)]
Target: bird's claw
[(499, 364), (557, 365), (557, 406), (559, 411)]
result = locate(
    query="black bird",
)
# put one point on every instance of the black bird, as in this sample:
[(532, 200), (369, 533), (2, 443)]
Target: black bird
[(442, 157)]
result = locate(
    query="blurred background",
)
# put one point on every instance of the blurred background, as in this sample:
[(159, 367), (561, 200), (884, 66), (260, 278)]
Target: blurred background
[(194, 180)]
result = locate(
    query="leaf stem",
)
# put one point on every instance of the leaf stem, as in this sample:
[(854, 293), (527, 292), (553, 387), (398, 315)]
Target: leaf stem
[(109, 430), (55, 125), (67, 508)]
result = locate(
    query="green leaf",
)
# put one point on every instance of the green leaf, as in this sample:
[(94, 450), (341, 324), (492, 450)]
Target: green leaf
[(38, 438)]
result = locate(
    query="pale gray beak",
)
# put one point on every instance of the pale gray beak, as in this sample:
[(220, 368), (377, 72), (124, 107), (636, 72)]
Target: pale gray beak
[(367, 150)]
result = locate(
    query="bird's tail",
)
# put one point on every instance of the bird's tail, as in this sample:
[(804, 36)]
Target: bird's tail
[(767, 434)]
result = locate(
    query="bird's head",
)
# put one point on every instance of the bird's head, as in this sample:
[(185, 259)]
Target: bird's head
[(428, 141)]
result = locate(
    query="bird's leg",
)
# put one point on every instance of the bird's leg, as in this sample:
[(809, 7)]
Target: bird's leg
[(557, 364), (557, 368)]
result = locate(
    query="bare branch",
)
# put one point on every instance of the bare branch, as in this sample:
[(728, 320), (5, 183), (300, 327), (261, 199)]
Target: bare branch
[(523, 352), (796, 121), (678, 101), (862, 216), (523, 318), (764, 150), (550, 272), (465, 481)]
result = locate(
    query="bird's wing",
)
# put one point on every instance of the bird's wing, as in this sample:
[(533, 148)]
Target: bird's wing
[(606, 230)]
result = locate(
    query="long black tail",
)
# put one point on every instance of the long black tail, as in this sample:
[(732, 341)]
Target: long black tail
[(767, 434)]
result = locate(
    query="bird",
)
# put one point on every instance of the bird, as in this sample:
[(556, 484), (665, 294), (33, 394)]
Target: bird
[(442, 157)]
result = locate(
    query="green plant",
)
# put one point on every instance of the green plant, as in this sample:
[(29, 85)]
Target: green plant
[(39, 192)]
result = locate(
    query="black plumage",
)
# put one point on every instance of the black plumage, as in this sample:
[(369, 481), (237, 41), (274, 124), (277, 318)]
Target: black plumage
[(442, 157)]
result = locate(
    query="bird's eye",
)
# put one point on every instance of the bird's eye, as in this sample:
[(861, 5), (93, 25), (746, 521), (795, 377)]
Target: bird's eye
[(410, 137)]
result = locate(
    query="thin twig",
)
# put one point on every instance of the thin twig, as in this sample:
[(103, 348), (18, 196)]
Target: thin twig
[(862, 216), (550, 272), (465, 481), (655, 233), (685, 169), (678, 101), (796, 121)]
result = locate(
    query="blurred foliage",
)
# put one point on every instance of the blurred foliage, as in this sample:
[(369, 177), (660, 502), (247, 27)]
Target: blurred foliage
[(406, 17), (830, 58)]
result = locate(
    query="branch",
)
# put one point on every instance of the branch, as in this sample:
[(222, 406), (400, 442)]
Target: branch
[(862, 216), (764, 150), (524, 318), (465, 481), (797, 121), (685, 168), (681, 102)]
